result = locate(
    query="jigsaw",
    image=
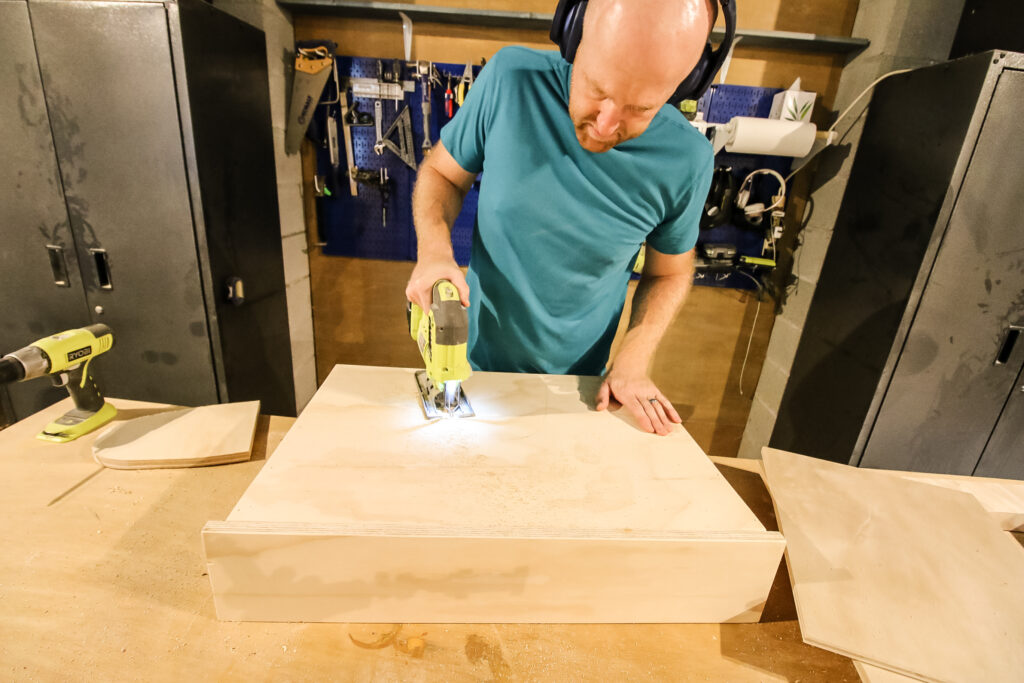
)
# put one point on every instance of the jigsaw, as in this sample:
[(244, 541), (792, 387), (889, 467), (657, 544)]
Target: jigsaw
[(442, 334)]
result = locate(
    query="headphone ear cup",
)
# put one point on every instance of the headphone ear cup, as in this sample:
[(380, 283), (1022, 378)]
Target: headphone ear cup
[(688, 89), (718, 207), (572, 31)]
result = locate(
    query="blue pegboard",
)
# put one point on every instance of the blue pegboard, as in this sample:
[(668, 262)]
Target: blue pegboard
[(727, 101), (720, 104), (354, 226)]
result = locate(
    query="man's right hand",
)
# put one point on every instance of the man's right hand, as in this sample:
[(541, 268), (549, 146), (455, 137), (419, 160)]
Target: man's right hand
[(430, 270)]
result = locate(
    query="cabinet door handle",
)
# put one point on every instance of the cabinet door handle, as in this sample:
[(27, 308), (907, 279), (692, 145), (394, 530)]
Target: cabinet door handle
[(1013, 333), (99, 259), (58, 265)]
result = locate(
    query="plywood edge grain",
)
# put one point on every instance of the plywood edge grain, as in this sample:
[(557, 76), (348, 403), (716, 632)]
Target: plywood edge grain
[(376, 574), (399, 530), (225, 459), (869, 673), (746, 464)]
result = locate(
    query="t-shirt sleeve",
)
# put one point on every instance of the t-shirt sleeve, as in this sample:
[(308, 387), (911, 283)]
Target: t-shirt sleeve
[(678, 234), (466, 134)]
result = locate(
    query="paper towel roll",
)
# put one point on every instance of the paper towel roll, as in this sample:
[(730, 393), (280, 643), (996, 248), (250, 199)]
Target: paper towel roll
[(750, 135)]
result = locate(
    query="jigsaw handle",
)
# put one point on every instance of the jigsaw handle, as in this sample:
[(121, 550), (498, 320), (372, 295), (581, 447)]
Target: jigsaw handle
[(450, 320), (413, 314)]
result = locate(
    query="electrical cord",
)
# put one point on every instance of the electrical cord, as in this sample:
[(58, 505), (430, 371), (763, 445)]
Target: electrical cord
[(744, 194), (843, 114), (753, 326), (862, 94), (792, 289)]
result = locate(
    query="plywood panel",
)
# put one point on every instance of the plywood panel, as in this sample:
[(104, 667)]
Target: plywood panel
[(535, 456), (186, 437), (378, 574), (1003, 499), (914, 578), (490, 518)]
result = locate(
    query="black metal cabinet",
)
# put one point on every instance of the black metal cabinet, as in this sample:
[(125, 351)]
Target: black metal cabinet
[(160, 122), (41, 289), (911, 357)]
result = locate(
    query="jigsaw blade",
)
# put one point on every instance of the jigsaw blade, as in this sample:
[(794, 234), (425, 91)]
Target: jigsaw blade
[(437, 403)]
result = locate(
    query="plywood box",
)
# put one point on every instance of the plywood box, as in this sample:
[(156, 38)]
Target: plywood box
[(539, 509)]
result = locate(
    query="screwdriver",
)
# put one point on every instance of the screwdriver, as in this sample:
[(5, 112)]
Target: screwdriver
[(385, 195), (448, 96)]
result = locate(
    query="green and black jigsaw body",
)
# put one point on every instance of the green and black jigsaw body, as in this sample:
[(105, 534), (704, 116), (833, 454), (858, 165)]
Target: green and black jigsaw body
[(442, 335)]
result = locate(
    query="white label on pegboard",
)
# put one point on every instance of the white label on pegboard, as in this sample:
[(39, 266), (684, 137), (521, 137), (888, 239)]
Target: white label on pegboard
[(371, 87)]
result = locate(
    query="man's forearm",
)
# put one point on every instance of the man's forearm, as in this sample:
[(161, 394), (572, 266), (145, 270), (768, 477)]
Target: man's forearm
[(655, 303), (436, 203)]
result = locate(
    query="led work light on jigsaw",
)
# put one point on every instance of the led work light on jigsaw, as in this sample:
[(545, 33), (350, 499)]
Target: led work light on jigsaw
[(441, 334)]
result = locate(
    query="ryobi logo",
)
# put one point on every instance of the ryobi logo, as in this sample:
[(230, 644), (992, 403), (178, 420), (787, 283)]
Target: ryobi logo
[(79, 353)]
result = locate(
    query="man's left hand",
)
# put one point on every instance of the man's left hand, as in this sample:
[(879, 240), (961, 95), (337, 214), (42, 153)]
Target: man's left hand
[(635, 390)]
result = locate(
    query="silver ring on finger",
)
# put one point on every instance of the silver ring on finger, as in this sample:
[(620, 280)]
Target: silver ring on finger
[(653, 400)]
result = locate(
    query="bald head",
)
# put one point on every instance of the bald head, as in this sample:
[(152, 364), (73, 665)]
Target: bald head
[(632, 57), (668, 35)]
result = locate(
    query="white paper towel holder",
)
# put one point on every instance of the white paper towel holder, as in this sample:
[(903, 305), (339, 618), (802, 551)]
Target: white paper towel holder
[(723, 137)]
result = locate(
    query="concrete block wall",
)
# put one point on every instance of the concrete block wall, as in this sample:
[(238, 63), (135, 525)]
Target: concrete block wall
[(276, 23), (904, 34)]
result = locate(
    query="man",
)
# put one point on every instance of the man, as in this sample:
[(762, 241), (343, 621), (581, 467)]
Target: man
[(583, 163)]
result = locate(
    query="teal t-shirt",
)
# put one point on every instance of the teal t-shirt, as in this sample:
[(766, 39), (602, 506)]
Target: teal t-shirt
[(558, 228)]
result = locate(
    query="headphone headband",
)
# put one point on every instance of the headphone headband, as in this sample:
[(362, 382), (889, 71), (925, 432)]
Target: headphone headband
[(567, 31)]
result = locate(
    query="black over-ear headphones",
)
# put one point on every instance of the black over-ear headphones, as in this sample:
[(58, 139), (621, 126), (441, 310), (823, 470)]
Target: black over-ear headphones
[(567, 30), (721, 199)]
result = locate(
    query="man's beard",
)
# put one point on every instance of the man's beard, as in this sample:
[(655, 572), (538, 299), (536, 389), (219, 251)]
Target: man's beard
[(590, 144)]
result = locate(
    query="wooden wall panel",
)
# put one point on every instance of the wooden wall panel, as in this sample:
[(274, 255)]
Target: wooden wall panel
[(358, 304)]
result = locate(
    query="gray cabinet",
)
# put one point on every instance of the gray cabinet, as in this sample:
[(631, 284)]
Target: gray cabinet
[(41, 290), (147, 139), (912, 354)]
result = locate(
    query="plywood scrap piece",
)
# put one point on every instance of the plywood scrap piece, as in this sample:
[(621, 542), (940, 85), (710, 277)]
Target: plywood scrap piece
[(913, 578), (1002, 498), (185, 437), (539, 509)]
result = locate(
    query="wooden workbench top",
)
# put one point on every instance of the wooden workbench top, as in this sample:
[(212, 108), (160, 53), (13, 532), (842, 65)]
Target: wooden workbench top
[(102, 577)]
